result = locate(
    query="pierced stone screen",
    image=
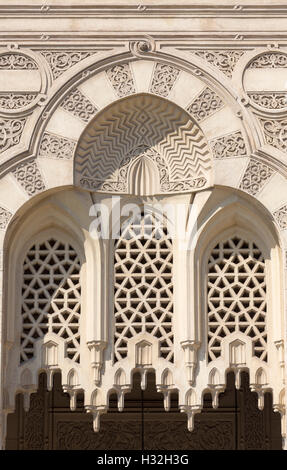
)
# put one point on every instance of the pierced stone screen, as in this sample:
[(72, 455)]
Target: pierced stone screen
[(236, 295), (143, 285), (51, 296)]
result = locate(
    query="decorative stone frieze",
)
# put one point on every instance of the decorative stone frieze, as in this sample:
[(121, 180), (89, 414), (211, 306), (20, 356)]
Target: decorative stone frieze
[(269, 100), (60, 61), (79, 105), (230, 145), (270, 59), (255, 177), (275, 131), (29, 177), (10, 132), (14, 101), (163, 80), (5, 216), (280, 216), (205, 104), (121, 79), (53, 146), (17, 61), (225, 59)]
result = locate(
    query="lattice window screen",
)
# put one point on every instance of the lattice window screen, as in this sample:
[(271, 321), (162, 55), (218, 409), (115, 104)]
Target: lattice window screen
[(236, 295), (51, 296), (143, 285)]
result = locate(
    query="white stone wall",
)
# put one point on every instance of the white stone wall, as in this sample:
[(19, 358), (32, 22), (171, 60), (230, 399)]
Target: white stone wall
[(211, 87)]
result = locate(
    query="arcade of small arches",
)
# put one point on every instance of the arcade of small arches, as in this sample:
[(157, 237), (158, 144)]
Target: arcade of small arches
[(100, 311)]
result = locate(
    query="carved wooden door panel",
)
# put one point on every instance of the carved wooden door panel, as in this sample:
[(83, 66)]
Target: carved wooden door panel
[(144, 425)]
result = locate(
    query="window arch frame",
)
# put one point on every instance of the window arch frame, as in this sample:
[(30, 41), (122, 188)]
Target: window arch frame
[(144, 210), (251, 237), (52, 222), (40, 238), (224, 218)]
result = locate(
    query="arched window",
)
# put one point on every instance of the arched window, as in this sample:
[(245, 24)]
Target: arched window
[(143, 285), (51, 296), (236, 295)]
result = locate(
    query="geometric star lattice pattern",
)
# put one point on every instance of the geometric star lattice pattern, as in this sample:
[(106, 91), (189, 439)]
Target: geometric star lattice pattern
[(51, 297), (236, 295), (143, 285)]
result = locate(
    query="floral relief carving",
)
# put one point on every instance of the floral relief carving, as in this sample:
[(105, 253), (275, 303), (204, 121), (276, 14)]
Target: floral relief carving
[(17, 61), (171, 434), (231, 145), (77, 104), (164, 78), (225, 60), (196, 183), (280, 216), (97, 185), (255, 177), (10, 132), (5, 216), (34, 423), (60, 61), (269, 60), (275, 131), (255, 437), (16, 100), (269, 94), (269, 100), (114, 435), (53, 146), (29, 177), (205, 104), (121, 79)]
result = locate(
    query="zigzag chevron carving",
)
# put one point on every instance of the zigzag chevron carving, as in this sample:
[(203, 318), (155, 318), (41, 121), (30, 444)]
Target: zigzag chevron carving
[(143, 121)]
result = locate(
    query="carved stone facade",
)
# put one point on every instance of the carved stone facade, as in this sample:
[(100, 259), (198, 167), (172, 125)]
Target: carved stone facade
[(136, 129), (10, 132), (225, 59), (143, 224)]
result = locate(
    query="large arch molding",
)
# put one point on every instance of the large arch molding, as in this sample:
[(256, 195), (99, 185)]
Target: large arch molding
[(148, 128)]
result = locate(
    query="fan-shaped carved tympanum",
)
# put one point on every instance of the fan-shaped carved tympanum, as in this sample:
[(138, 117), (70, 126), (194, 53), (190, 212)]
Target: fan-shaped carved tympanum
[(142, 145)]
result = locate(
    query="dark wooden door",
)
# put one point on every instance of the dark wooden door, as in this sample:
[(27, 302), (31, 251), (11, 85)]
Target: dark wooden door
[(144, 425)]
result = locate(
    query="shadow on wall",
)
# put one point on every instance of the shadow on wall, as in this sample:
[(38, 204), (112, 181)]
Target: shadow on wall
[(144, 425)]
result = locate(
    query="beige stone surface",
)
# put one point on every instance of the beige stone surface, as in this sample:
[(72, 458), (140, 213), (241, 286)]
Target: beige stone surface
[(143, 104)]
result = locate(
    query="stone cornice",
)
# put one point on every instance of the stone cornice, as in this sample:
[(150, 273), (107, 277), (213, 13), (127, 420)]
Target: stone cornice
[(137, 11), (53, 22), (104, 40)]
